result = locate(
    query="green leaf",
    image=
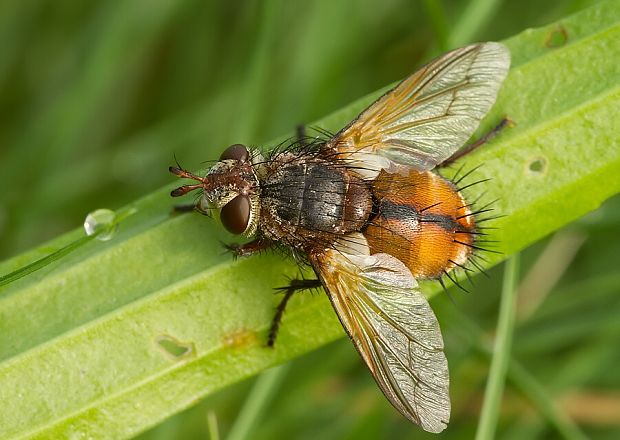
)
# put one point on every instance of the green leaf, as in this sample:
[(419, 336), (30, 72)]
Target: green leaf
[(117, 335)]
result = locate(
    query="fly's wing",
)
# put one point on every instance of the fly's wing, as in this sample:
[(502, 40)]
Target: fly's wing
[(394, 330), (428, 116)]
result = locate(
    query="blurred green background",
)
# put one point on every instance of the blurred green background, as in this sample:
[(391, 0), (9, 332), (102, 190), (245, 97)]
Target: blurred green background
[(98, 97)]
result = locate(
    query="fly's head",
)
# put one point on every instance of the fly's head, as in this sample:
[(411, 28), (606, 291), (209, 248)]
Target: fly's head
[(230, 188)]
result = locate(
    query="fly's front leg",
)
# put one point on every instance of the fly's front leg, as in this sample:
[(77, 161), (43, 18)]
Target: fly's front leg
[(300, 130), (505, 122), (201, 205), (190, 207), (294, 286), (246, 249)]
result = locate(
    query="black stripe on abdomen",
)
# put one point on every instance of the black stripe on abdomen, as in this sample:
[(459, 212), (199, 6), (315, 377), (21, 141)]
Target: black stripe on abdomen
[(407, 213)]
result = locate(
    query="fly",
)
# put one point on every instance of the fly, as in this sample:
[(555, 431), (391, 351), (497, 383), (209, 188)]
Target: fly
[(364, 209)]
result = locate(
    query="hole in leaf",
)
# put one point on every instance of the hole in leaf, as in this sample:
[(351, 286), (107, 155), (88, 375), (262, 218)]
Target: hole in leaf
[(557, 37), (174, 348), (537, 166)]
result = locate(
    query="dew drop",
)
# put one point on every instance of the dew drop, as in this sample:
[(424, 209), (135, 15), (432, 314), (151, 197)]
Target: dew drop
[(101, 222)]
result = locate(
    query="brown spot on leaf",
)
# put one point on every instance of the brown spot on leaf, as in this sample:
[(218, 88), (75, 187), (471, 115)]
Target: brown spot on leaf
[(239, 338)]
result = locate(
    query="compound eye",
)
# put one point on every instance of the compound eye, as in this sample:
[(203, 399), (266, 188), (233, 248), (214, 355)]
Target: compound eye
[(236, 152), (235, 215)]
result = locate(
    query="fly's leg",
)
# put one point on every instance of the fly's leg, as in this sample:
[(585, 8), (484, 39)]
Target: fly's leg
[(300, 131), (293, 287), (505, 122), (189, 207), (246, 249), (301, 137)]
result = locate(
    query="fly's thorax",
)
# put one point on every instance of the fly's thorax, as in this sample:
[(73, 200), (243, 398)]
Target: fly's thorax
[(308, 199), (234, 190)]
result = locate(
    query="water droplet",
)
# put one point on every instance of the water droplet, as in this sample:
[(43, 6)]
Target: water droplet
[(101, 222)]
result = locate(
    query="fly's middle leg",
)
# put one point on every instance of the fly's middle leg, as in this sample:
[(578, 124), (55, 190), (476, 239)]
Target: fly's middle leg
[(294, 286)]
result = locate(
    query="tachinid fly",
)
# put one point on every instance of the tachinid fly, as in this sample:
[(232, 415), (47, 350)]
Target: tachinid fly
[(363, 208)]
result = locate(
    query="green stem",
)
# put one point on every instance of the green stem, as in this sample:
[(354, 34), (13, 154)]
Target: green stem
[(472, 20), (539, 396), (437, 17), (265, 387), (214, 431), (524, 381), (65, 250), (256, 77), (42, 262), (501, 357)]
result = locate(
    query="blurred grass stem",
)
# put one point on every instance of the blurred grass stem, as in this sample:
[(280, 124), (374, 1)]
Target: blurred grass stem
[(254, 407), (501, 355)]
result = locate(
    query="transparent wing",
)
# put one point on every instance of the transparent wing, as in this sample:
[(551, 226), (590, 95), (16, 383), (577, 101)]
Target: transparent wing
[(394, 330), (429, 115)]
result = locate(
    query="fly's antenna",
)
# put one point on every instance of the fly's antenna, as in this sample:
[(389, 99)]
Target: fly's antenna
[(184, 174)]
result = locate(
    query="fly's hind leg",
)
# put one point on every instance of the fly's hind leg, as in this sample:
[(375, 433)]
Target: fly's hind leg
[(294, 286), (505, 122)]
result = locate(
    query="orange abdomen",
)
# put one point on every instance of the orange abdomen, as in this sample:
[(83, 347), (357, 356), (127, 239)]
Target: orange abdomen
[(422, 220)]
